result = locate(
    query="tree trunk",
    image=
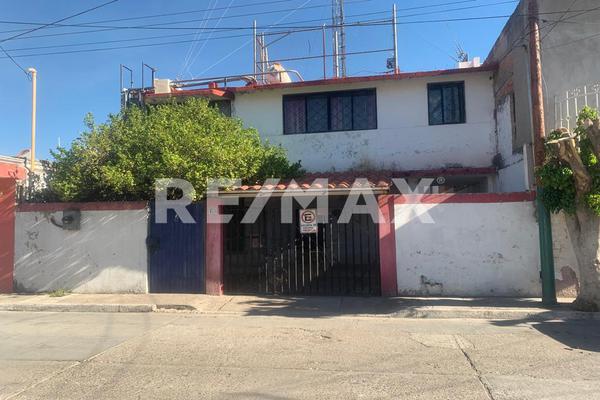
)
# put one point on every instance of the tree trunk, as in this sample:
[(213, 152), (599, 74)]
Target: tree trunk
[(584, 230)]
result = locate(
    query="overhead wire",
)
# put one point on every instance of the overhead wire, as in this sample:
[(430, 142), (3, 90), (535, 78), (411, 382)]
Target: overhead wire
[(557, 22), (296, 30), (8, 55), (299, 28), (303, 5), (58, 21), (202, 25), (221, 8), (205, 42)]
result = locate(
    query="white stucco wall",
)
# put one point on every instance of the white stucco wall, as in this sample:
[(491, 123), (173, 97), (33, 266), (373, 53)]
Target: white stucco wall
[(512, 174), (471, 249), (404, 140), (566, 267), (108, 254)]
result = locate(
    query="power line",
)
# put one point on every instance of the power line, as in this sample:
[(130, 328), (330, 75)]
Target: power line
[(193, 60), (216, 9), (303, 29), (245, 44), (41, 27), (14, 61), (308, 28), (201, 26), (352, 53), (299, 29), (162, 24), (185, 35), (526, 31), (596, 35), (148, 16), (57, 21), (559, 20)]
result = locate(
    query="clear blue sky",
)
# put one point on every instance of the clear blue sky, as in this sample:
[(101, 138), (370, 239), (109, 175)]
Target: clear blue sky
[(71, 85)]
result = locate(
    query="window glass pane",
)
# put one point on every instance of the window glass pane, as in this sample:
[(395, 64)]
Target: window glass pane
[(436, 116), (316, 114), (341, 113), (451, 104), (294, 115), (365, 110)]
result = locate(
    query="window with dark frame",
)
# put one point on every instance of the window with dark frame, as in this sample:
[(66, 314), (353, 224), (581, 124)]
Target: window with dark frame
[(446, 103), (330, 112)]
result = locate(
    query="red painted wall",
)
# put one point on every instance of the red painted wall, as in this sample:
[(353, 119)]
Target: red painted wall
[(7, 233), (387, 247), (12, 171), (214, 250)]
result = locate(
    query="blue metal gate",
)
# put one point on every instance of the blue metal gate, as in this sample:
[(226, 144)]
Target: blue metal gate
[(176, 252)]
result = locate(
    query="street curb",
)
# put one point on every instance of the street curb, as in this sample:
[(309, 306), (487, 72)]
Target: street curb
[(408, 313), (498, 314), (501, 315), (99, 308)]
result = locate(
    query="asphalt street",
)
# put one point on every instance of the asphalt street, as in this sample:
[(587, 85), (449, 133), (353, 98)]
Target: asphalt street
[(192, 356)]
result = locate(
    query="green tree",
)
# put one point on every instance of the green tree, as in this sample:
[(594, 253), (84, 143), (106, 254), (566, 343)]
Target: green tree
[(122, 158), (570, 177)]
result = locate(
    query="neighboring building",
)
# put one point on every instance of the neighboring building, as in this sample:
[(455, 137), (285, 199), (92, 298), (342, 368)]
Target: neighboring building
[(12, 169), (570, 48)]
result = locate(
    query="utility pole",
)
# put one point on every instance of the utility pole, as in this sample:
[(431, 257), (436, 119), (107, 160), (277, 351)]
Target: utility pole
[(33, 73), (537, 91), (337, 20), (539, 137), (254, 47), (395, 32)]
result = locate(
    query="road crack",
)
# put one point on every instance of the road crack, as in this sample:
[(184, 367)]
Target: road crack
[(478, 374)]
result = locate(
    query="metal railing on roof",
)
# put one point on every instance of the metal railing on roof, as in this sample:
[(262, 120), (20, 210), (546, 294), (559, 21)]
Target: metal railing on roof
[(228, 79)]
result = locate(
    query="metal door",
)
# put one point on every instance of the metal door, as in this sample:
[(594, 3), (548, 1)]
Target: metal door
[(176, 252), (268, 257)]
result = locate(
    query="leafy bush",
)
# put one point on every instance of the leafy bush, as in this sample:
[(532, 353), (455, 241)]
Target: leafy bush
[(122, 158)]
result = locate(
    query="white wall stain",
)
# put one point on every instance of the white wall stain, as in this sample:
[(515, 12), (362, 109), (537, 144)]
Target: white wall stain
[(108, 254)]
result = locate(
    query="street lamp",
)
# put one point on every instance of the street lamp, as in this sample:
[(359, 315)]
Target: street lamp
[(33, 73)]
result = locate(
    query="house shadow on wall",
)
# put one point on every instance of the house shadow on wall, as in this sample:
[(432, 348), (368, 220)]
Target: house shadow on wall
[(107, 254)]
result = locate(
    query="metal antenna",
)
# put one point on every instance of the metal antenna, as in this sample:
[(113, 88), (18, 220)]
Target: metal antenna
[(339, 44)]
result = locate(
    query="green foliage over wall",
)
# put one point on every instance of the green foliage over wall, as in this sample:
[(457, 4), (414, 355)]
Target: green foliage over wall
[(122, 158), (557, 176)]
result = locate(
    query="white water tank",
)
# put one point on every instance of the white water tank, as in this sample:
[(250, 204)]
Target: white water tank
[(277, 74), (474, 63)]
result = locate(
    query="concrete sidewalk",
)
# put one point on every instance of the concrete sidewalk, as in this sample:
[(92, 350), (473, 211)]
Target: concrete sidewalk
[(397, 307)]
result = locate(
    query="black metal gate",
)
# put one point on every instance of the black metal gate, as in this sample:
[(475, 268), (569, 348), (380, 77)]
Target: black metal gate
[(268, 257)]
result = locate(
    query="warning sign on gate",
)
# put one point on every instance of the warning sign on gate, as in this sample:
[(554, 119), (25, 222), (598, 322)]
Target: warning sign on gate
[(308, 221)]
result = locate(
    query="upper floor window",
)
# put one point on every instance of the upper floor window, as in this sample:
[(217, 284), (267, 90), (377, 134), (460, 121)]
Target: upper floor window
[(331, 111), (446, 103)]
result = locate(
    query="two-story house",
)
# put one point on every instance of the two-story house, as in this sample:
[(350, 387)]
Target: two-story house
[(464, 129), (429, 124)]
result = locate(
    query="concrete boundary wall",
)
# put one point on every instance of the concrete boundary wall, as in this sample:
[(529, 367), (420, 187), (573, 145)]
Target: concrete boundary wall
[(566, 267), (467, 245), (107, 255)]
